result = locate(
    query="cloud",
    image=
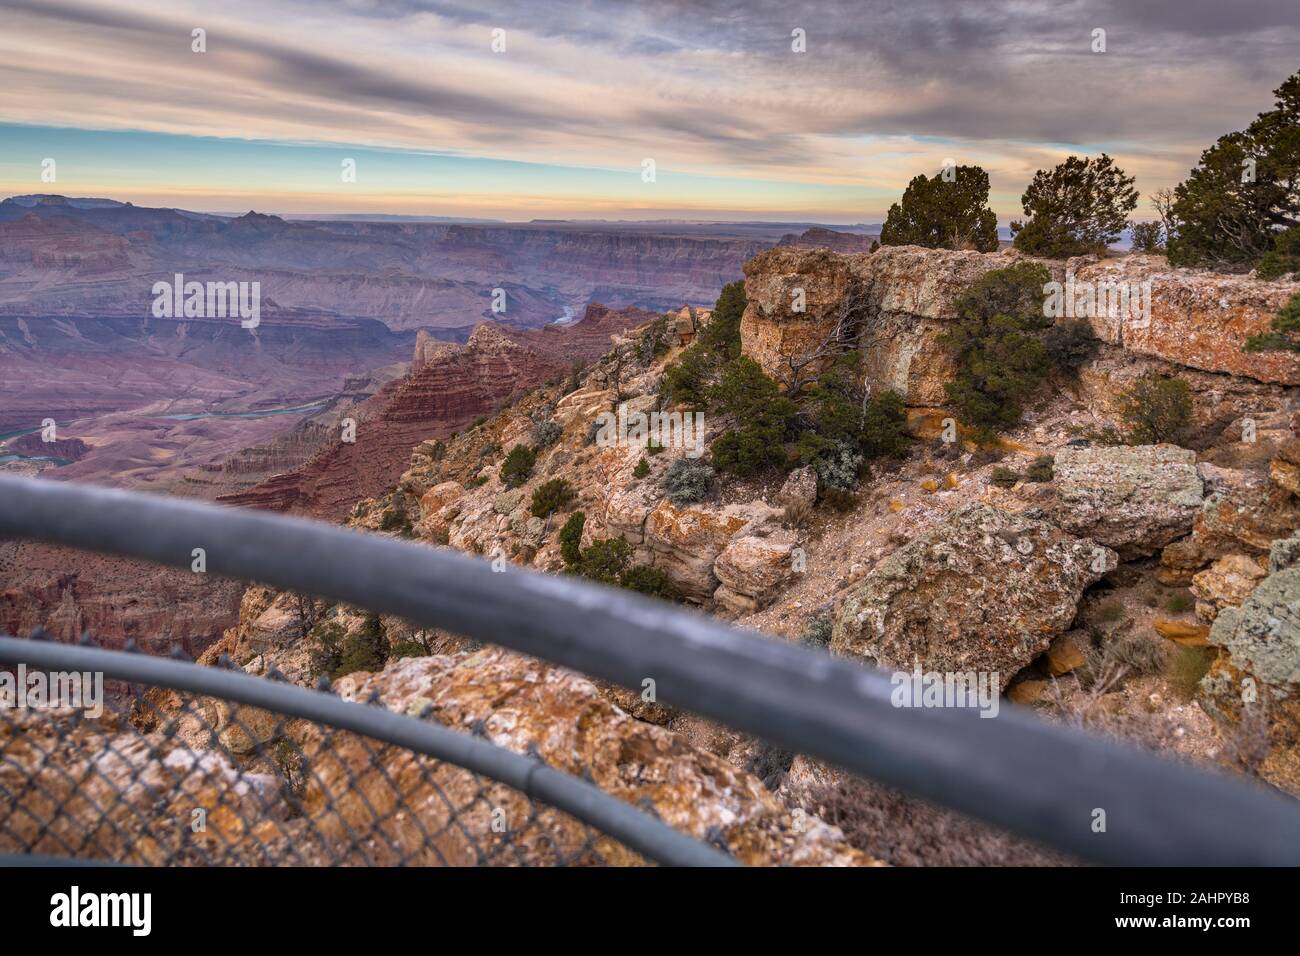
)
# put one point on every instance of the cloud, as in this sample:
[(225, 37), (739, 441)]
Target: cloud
[(886, 88)]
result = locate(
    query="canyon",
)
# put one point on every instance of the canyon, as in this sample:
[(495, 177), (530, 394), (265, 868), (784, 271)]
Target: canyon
[(936, 562)]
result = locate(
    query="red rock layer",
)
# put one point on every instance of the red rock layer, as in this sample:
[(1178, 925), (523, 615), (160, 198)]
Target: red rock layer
[(448, 387)]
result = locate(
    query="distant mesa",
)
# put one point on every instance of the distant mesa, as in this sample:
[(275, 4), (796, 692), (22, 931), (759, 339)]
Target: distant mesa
[(818, 238), (33, 446)]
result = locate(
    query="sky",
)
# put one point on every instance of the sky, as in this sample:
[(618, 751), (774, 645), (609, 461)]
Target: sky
[(557, 108)]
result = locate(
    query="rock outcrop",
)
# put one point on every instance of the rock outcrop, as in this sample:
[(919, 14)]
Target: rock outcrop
[(1254, 685), (903, 298), (687, 541), (1263, 635), (1225, 583), (1133, 499), (1197, 319), (985, 591), (752, 570), (1245, 514)]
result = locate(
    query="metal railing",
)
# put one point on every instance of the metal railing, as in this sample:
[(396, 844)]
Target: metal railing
[(1033, 778)]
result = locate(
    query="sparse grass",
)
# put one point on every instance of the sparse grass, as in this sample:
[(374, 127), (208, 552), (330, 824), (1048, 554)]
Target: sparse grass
[(1139, 653), (1040, 469), (1112, 612), (1178, 603), (1118, 656), (1184, 668)]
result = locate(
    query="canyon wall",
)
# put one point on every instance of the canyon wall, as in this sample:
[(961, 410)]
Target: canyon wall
[(448, 387)]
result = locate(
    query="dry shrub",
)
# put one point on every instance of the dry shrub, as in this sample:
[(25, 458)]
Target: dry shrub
[(904, 831)]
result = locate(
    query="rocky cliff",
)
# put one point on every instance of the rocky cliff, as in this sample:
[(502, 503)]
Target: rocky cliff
[(904, 298)]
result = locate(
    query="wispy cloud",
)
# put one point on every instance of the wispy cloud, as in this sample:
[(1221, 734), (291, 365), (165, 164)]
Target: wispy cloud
[(707, 88)]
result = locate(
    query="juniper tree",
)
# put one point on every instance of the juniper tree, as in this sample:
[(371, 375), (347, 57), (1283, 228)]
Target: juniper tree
[(1244, 191), (942, 214), (1079, 207)]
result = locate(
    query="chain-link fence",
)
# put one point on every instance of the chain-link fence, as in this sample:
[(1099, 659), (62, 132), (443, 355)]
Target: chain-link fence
[(167, 776)]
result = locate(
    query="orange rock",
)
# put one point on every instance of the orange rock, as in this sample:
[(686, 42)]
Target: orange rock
[(1027, 692), (1180, 632), (1068, 652)]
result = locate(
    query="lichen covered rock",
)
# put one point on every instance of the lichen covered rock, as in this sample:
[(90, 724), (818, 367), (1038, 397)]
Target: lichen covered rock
[(1263, 635), (985, 591), (1132, 499)]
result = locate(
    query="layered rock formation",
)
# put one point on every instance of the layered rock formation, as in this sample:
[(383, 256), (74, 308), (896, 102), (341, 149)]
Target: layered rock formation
[(902, 298), (448, 387), (1198, 319), (67, 592), (407, 275)]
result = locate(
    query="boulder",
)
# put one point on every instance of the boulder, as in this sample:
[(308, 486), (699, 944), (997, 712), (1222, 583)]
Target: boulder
[(1028, 692), (506, 502), (274, 625), (244, 730), (1182, 632), (751, 571), (1247, 515), (987, 591), (1263, 634), (439, 506), (686, 541), (439, 496), (1225, 583), (1067, 652), (1132, 499), (1257, 673)]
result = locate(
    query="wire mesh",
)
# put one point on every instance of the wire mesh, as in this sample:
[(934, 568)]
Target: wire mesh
[(172, 778)]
